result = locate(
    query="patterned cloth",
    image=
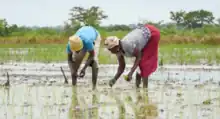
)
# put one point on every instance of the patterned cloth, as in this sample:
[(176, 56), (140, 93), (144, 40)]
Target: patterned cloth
[(145, 31), (135, 40)]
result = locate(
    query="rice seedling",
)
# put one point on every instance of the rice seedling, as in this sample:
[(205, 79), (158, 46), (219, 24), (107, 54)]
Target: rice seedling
[(121, 107), (140, 103), (168, 55), (94, 111), (49, 105), (207, 102), (161, 62)]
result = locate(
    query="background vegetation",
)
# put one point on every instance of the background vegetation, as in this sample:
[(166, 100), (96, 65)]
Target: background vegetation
[(199, 29), (198, 26)]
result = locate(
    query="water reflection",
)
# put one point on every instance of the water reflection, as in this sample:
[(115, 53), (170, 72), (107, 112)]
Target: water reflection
[(137, 100), (54, 102), (6, 99), (145, 109), (142, 106), (74, 113), (80, 109)]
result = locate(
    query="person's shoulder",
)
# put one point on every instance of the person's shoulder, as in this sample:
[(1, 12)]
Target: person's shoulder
[(88, 27), (68, 50)]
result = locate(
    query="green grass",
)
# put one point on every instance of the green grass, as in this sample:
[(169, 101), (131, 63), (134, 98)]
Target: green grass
[(208, 34), (41, 53), (168, 54)]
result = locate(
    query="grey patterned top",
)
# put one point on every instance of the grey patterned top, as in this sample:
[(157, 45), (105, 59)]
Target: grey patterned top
[(136, 39)]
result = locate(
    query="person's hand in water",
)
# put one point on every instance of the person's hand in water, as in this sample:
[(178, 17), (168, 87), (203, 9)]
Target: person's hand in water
[(82, 73), (112, 82), (128, 77)]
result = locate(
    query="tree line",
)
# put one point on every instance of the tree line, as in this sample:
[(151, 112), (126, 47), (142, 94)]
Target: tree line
[(80, 16), (193, 19)]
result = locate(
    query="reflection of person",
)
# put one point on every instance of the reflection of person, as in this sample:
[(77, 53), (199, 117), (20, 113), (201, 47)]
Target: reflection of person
[(121, 107), (93, 113), (78, 113), (80, 43), (73, 113), (141, 107), (141, 43)]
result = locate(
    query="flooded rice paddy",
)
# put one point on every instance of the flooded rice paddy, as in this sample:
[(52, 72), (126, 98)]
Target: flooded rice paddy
[(37, 91), (167, 54)]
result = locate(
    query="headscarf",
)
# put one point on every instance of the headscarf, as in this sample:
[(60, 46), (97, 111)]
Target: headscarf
[(111, 41), (76, 43)]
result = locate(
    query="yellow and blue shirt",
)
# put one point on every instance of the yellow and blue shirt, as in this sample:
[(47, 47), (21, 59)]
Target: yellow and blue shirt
[(88, 35)]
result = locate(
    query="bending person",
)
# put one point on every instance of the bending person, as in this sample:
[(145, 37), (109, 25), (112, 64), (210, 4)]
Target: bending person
[(141, 43), (79, 44)]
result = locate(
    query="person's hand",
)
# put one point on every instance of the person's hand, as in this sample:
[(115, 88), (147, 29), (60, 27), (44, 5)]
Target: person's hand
[(112, 82), (82, 73), (128, 77)]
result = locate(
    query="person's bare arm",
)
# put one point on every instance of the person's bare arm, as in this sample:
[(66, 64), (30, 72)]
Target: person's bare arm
[(121, 66), (89, 60), (70, 62), (78, 60), (138, 55)]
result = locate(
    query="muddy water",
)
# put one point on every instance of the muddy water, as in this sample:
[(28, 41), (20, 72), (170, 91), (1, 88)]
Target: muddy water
[(37, 91)]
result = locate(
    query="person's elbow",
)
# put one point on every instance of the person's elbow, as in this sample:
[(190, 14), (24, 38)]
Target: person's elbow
[(91, 54), (138, 56), (69, 57)]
